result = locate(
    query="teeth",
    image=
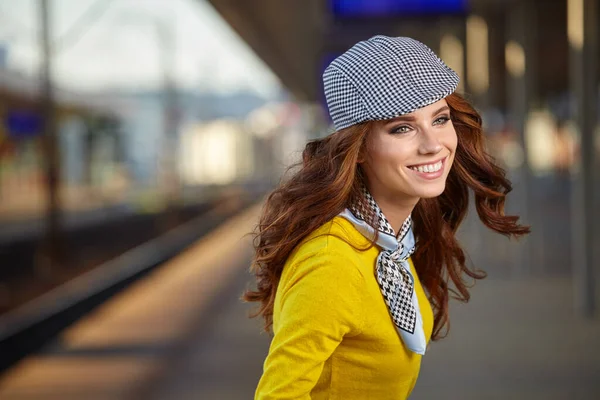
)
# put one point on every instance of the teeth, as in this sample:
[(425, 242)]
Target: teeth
[(428, 168)]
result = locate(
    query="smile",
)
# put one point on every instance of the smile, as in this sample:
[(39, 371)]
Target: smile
[(430, 171), (428, 167)]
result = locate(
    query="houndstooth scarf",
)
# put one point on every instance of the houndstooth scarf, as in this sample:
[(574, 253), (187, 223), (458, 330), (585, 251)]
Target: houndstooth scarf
[(393, 270)]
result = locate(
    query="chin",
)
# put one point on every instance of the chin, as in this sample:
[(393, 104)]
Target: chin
[(431, 193)]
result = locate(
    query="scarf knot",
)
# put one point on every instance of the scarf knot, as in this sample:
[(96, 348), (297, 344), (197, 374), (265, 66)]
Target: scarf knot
[(392, 270)]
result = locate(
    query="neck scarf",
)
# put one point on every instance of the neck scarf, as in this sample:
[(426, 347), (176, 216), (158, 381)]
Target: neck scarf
[(393, 272)]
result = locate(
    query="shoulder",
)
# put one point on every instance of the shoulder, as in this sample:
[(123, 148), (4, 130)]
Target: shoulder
[(324, 270), (336, 239), (334, 247)]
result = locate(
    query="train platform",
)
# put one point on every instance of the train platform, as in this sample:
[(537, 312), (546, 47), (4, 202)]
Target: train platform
[(182, 333)]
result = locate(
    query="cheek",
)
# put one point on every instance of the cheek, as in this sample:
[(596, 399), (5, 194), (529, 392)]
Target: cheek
[(453, 140), (394, 156), (394, 150), (452, 145), (387, 154), (378, 153)]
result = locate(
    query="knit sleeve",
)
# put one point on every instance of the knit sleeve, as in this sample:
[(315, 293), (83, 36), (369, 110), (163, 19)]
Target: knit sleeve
[(320, 305)]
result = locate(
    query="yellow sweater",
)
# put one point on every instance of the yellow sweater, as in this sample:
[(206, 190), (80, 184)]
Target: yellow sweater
[(333, 335)]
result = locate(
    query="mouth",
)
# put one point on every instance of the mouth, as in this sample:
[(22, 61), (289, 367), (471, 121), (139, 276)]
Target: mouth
[(431, 170)]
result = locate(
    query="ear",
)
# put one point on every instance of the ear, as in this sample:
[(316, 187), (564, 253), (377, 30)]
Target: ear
[(362, 156)]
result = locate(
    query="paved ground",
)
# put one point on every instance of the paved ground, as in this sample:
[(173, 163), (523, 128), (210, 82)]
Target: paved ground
[(224, 359)]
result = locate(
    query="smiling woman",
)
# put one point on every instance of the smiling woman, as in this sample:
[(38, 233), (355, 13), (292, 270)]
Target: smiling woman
[(356, 251)]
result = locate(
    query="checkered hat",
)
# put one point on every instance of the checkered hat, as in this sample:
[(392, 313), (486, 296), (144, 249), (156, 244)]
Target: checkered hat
[(384, 77)]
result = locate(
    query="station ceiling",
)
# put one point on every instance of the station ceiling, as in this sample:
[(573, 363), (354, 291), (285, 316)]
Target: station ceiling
[(296, 38)]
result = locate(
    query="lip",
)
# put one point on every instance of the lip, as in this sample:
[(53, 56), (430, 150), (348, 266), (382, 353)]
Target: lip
[(430, 175), (443, 160)]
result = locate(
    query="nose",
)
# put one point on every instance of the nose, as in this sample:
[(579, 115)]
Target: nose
[(429, 143)]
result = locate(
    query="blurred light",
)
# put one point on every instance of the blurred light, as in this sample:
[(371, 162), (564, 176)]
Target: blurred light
[(477, 55), (512, 154), (209, 153), (540, 129), (289, 114), (220, 154), (452, 52), (515, 59), (370, 8), (263, 120), (575, 23)]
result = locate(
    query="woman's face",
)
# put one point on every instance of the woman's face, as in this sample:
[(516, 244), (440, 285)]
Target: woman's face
[(409, 157)]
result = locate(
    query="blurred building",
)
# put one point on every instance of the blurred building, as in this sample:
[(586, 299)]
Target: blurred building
[(90, 143)]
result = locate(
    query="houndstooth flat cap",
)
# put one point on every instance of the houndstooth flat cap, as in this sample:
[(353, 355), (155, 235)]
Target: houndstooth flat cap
[(384, 77)]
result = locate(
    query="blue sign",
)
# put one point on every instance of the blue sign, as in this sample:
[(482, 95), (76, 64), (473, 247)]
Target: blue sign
[(395, 8), (23, 124)]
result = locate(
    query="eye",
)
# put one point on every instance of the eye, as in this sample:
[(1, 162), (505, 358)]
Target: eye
[(400, 129), (442, 120)]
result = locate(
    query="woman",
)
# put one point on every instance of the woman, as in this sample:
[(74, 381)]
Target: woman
[(356, 251)]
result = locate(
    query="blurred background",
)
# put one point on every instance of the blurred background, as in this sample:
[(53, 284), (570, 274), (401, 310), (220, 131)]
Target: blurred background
[(138, 139)]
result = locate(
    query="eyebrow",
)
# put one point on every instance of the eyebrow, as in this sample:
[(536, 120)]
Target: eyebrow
[(412, 118)]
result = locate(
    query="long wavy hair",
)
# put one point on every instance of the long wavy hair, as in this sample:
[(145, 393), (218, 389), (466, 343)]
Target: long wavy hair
[(329, 178)]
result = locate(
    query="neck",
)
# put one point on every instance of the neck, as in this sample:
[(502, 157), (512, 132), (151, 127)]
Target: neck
[(395, 211), (395, 216)]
